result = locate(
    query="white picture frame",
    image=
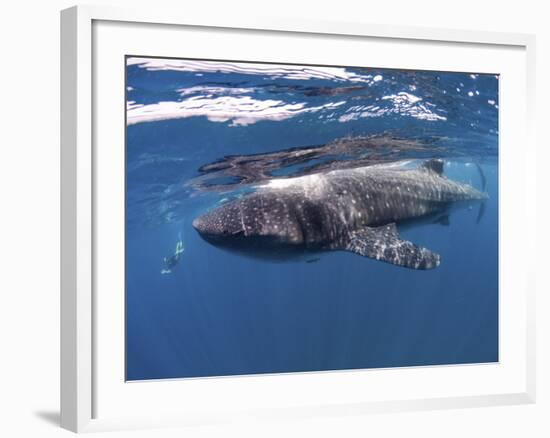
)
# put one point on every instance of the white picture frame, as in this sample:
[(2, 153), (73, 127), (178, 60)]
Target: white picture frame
[(79, 197)]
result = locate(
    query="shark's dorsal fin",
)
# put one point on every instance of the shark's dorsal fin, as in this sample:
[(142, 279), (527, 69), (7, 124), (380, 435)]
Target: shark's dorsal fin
[(384, 244), (435, 165)]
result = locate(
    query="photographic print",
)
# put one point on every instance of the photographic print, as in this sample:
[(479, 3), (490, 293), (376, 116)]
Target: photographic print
[(285, 218)]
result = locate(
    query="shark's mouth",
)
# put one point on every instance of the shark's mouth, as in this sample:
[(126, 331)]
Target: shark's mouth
[(223, 236)]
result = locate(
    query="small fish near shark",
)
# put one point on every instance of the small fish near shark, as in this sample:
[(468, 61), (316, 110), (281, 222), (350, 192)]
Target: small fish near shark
[(356, 210)]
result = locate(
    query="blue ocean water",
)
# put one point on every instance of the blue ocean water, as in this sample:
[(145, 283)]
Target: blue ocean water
[(201, 133)]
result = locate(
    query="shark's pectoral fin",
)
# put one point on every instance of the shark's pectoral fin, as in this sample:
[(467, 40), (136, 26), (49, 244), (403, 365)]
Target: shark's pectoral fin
[(442, 220), (313, 260), (384, 244)]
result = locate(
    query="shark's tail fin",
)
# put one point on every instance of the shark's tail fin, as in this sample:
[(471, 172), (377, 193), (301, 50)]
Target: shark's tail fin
[(482, 176), (481, 211)]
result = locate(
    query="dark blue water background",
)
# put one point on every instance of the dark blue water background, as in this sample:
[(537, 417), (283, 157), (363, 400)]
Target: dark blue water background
[(219, 313)]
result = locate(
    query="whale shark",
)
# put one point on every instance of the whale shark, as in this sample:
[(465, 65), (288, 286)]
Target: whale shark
[(359, 210)]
